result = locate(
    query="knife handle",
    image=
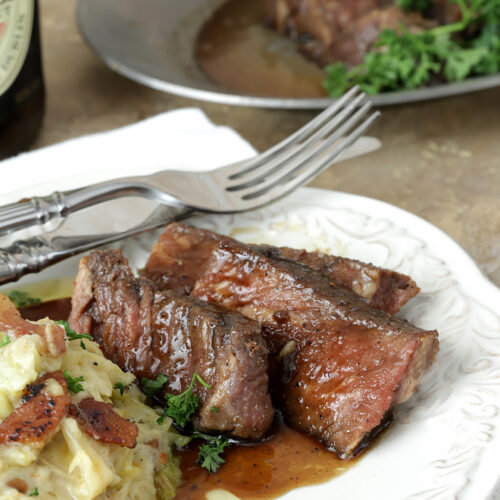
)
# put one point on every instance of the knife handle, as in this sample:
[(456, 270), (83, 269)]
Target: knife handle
[(23, 257), (34, 254)]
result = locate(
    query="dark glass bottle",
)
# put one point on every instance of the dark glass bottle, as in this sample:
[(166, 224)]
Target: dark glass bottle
[(22, 93)]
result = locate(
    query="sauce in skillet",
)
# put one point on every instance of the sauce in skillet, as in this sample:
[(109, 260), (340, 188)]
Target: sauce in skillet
[(236, 50), (266, 470)]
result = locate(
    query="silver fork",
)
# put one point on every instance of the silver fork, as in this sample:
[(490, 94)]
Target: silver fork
[(233, 188)]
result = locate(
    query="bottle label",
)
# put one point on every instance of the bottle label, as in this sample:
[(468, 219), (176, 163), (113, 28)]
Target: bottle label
[(16, 24)]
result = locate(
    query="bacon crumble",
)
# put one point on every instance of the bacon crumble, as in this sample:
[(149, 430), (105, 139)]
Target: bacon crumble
[(37, 418), (100, 421)]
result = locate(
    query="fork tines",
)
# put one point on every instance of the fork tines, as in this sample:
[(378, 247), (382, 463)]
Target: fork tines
[(307, 152)]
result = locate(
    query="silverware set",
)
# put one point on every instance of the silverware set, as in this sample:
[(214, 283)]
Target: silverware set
[(332, 136)]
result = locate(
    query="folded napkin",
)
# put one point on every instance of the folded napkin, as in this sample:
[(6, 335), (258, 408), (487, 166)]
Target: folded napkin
[(183, 139)]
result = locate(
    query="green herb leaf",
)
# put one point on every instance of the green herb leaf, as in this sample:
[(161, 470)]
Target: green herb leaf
[(404, 60), (151, 387), (121, 387), (34, 492), (214, 409), (414, 5), (22, 299), (5, 340), (73, 382), (182, 407), (72, 335), (209, 456)]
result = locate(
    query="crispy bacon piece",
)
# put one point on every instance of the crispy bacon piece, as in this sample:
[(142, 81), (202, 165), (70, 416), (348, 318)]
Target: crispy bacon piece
[(100, 421), (37, 419), (180, 256), (18, 484), (13, 325)]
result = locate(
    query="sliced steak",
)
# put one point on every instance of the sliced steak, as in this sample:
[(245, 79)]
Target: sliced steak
[(182, 252), (382, 288), (149, 332), (345, 364)]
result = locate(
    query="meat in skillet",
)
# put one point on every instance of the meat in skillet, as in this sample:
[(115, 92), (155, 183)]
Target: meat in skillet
[(181, 253), (149, 332), (345, 364), (338, 30)]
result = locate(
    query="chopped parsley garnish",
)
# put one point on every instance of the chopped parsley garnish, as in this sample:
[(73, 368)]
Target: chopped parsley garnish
[(404, 60), (121, 387), (34, 492), (415, 5), (151, 387), (5, 340), (182, 407), (73, 382), (209, 456), (72, 335), (22, 299)]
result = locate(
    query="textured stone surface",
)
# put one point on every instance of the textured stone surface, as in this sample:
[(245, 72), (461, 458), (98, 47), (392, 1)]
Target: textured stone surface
[(440, 160)]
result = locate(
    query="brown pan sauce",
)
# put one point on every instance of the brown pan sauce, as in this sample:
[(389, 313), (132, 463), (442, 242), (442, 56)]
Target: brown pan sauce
[(237, 51)]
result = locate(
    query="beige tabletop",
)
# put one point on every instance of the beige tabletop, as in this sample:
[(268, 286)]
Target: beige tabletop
[(440, 159)]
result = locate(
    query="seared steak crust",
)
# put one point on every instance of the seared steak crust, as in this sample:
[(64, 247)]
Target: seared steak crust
[(349, 363), (382, 288), (149, 332), (181, 254)]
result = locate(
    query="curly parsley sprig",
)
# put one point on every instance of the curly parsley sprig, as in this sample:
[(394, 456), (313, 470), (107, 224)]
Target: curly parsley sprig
[(4, 340), (73, 382), (120, 386), (182, 406), (22, 299), (72, 335), (403, 60), (209, 456), (151, 387)]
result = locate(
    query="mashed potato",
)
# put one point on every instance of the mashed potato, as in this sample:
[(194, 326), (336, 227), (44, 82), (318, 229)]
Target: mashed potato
[(74, 465)]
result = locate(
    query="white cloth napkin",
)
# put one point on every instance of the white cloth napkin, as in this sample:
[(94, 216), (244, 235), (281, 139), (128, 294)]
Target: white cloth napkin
[(180, 139)]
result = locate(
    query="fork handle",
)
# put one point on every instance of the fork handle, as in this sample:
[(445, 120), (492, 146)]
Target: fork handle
[(23, 257), (58, 205), (36, 253)]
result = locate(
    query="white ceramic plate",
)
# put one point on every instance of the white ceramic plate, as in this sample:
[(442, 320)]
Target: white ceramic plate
[(444, 443)]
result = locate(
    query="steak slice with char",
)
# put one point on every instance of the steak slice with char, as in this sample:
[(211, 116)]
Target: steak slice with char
[(148, 332), (382, 288), (181, 254), (345, 364)]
